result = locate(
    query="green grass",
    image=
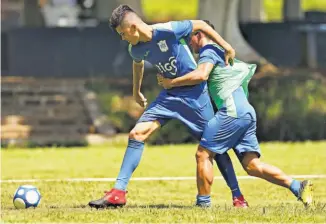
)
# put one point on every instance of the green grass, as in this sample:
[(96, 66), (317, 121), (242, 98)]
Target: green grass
[(157, 201)]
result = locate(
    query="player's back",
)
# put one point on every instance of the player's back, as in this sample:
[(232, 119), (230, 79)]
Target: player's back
[(228, 85), (169, 53)]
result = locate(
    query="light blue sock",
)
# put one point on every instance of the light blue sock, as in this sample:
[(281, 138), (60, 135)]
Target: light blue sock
[(295, 187), (130, 162), (225, 166), (203, 200)]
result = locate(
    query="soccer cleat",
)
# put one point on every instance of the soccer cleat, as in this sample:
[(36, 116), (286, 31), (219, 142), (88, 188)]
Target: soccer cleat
[(240, 202), (306, 192), (112, 198)]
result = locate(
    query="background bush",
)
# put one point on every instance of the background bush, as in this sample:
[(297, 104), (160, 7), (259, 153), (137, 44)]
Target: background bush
[(289, 107)]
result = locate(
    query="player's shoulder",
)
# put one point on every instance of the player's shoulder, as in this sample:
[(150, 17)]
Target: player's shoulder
[(211, 53), (162, 26), (138, 51), (211, 49), (138, 48), (171, 25)]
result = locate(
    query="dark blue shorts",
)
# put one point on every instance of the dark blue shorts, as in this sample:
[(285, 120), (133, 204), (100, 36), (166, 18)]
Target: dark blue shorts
[(194, 111)]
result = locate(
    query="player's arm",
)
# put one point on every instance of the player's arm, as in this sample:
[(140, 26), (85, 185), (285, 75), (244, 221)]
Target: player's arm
[(199, 25), (200, 74), (183, 29), (208, 58), (137, 75)]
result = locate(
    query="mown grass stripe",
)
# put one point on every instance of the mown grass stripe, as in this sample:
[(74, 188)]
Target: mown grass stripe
[(311, 176)]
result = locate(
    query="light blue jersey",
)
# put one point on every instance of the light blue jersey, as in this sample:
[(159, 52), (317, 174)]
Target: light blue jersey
[(234, 125), (224, 80), (169, 53)]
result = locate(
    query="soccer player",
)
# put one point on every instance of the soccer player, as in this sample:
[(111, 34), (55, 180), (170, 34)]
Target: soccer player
[(234, 125), (164, 45)]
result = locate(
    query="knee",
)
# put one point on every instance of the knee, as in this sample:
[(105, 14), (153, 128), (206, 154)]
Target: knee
[(143, 130), (202, 154), (137, 135), (253, 167)]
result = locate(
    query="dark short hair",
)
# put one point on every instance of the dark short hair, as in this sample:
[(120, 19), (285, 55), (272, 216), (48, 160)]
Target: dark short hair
[(209, 23), (118, 14)]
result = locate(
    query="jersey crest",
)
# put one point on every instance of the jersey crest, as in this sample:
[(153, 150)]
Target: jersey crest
[(163, 46)]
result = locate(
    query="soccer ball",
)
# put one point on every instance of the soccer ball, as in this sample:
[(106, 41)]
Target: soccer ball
[(26, 196)]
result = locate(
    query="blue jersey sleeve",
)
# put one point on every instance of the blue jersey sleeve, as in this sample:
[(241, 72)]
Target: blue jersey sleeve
[(182, 29), (135, 54), (209, 54)]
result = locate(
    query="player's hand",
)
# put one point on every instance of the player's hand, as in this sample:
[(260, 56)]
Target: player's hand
[(140, 99), (159, 78), (164, 82), (229, 56)]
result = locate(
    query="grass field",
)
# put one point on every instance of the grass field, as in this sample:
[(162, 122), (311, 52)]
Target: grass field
[(157, 201)]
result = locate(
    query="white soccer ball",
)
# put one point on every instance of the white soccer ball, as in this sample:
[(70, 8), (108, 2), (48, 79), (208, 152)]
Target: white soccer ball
[(26, 196)]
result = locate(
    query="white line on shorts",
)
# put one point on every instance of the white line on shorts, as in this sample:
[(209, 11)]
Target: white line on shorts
[(320, 176)]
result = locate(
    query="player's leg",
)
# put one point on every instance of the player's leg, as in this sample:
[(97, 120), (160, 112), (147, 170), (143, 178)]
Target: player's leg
[(224, 164), (205, 176), (219, 136), (254, 167), (137, 136), (155, 116), (195, 113), (200, 112), (248, 152)]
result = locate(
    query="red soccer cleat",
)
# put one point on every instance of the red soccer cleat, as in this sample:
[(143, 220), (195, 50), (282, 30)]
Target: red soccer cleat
[(240, 202), (112, 198)]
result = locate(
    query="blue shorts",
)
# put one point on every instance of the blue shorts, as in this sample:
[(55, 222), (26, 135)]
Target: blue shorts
[(224, 132), (194, 111)]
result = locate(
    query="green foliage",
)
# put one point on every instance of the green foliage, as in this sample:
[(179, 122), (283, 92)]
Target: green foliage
[(290, 107), (188, 9), (157, 201), (110, 97), (120, 119), (274, 8), (170, 9)]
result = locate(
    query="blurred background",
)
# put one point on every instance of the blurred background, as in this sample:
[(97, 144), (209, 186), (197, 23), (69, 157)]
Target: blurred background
[(67, 79)]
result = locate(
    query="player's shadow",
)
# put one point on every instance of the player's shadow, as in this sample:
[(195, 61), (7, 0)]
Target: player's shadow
[(157, 206), (160, 206)]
